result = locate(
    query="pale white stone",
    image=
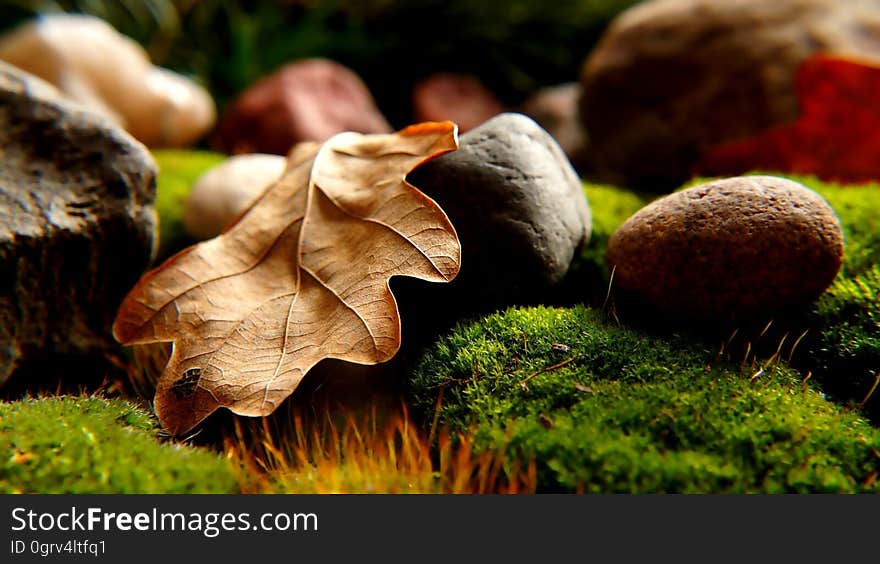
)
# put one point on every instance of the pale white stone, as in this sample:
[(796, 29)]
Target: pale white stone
[(225, 191), (90, 62)]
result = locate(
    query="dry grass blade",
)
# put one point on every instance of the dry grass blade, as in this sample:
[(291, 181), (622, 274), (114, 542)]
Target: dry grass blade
[(530, 377), (870, 392), (359, 456)]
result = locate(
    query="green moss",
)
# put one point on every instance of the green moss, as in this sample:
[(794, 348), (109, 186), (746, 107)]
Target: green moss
[(93, 445), (850, 312), (178, 170), (601, 408), (842, 348)]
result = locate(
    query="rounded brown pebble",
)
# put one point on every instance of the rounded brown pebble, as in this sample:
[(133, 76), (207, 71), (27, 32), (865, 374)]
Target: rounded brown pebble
[(731, 249)]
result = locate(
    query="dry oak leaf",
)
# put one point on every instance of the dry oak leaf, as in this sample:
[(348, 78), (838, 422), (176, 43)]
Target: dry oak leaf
[(301, 276)]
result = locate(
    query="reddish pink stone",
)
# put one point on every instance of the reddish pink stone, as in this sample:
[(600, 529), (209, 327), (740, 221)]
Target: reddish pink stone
[(310, 100), (455, 97)]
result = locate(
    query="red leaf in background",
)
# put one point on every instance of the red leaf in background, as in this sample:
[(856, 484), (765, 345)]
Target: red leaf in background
[(837, 136)]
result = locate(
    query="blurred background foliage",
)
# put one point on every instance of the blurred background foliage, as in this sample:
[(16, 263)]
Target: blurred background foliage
[(513, 46)]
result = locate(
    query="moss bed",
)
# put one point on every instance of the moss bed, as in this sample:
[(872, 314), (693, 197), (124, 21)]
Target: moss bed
[(93, 445), (602, 408)]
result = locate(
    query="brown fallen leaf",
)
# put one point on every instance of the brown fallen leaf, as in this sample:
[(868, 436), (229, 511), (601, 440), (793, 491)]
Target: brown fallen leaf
[(299, 277)]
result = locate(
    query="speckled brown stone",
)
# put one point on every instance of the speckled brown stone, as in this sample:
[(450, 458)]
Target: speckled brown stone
[(730, 249)]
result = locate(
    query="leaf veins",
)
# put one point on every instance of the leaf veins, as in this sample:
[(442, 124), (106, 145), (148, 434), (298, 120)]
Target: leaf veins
[(300, 277)]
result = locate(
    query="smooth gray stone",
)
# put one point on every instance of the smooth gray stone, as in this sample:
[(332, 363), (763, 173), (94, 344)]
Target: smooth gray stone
[(518, 207)]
